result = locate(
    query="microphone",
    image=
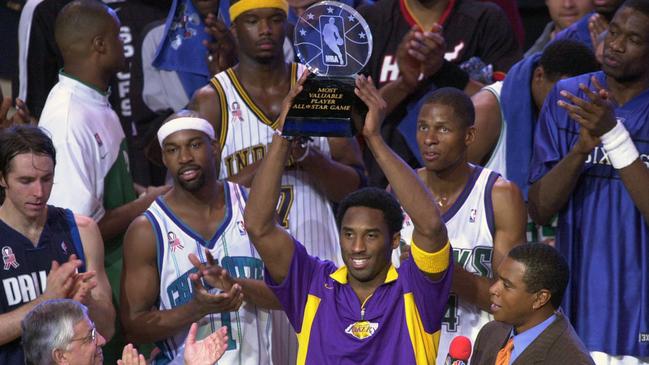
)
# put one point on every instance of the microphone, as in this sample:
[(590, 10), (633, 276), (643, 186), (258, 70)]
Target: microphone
[(459, 351)]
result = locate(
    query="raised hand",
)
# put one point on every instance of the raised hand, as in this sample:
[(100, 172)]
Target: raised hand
[(130, 356), (420, 54), (290, 97), (367, 92), (60, 280), (596, 114), (206, 351), (223, 48)]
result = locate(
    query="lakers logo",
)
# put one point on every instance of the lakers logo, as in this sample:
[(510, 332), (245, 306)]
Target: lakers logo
[(362, 329)]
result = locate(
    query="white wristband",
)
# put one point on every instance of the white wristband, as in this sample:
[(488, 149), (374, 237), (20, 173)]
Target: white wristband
[(619, 146)]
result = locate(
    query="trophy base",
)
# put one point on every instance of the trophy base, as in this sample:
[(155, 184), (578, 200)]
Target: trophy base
[(323, 108)]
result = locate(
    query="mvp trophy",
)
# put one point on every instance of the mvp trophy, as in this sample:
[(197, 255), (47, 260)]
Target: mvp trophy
[(335, 43)]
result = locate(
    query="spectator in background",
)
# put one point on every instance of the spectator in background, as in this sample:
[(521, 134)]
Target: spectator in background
[(525, 301), (563, 14), (589, 27), (47, 252), (506, 114), (412, 39), (40, 60), (589, 165), (92, 177), (506, 111)]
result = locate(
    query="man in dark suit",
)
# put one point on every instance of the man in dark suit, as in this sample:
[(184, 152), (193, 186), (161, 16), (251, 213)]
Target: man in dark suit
[(524, 300)]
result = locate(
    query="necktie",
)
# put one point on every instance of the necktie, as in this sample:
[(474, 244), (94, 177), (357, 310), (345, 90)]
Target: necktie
[(505, 353)]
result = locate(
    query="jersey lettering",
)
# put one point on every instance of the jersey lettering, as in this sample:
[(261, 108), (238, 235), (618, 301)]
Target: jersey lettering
[(24, 288), (244, 157), (389, 69), (452, 56)]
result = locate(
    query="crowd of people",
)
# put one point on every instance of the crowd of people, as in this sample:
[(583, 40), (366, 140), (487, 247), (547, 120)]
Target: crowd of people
[(153, 211)]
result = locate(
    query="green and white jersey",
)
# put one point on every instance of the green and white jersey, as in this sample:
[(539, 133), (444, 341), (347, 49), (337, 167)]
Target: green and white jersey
[(471, 228)]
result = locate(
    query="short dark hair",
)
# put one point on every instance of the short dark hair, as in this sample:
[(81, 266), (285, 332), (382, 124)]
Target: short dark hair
[(23, 139), (639, 5), (566, 57), (374, 198), (545, 268), (456, 99)]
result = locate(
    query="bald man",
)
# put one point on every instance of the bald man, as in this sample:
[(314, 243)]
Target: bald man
[(93, 177)]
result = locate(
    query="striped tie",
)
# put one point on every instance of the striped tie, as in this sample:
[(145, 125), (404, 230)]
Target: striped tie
[(505, 353)]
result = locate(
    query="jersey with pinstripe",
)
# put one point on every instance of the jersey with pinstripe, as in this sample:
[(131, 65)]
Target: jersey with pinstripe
[(470, 226), (245, 134), (249, 327)]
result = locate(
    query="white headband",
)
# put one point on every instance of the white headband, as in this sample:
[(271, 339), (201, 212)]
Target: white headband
[(185, 123)]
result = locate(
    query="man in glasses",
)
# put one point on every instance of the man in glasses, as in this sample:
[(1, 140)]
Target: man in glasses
[(59, 331)]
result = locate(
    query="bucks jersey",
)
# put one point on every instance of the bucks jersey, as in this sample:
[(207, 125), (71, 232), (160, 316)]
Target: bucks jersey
[(25, 267), (249, 327), (470, 226), (245, 134)]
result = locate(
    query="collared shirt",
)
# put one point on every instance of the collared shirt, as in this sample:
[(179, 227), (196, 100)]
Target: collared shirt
[(522, 340), (398, 324)]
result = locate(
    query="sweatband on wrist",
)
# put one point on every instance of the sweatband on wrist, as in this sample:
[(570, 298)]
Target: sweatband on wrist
[(245, 5), (185, 123), (619, 146), (431, 262)]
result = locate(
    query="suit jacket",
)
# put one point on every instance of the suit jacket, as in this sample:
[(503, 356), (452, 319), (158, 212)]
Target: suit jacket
[(557, 345)]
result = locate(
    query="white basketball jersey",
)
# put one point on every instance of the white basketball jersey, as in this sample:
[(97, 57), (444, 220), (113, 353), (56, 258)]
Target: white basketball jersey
[(470, 226), (249, 327), (498, 160), (245, 135)]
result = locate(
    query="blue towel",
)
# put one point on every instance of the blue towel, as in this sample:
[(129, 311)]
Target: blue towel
[(408, 125), (520, 113), (578, 31), (182, 49)]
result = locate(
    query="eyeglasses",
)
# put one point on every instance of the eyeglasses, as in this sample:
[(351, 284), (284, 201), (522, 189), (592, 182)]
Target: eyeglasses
[(91, 337)]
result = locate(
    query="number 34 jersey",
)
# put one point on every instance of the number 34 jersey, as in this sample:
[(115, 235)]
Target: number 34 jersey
[(249, 327), (245, 133), (470, 226)]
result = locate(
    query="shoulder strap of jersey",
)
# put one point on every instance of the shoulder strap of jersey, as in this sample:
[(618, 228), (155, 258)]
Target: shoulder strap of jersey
[(76, 237), (214, 82), (488, 201)]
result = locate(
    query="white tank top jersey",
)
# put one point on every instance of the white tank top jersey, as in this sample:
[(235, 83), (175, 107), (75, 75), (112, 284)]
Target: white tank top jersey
[(470, 226), (245, 135), (498, 159), (248, 328)]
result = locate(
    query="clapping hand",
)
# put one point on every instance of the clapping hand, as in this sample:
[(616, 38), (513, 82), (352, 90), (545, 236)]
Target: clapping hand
[(231, 297), (206, 351)]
